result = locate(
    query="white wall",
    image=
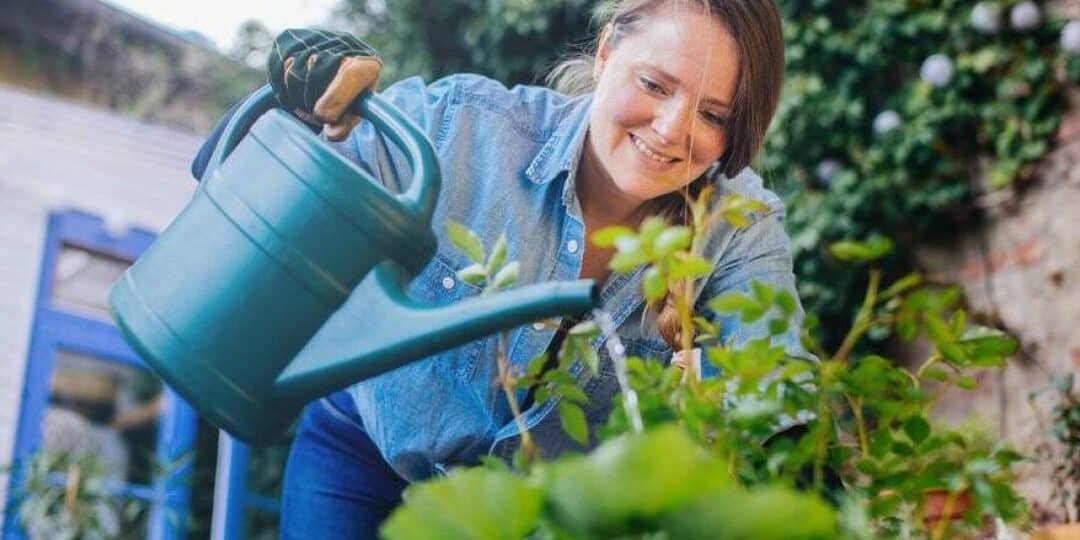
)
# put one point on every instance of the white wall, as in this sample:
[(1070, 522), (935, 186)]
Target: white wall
[(56, 155)]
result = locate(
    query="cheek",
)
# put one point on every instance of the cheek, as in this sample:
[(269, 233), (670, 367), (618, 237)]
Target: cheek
[(708, 147)]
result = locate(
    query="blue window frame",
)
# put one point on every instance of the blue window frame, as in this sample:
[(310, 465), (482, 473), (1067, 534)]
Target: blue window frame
[(56, 330), (232, 499)]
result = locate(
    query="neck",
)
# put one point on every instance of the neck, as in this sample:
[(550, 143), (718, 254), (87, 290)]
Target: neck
[(602, 203)]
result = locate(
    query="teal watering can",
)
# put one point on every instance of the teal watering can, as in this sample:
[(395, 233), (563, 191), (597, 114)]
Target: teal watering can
[(233, 304)]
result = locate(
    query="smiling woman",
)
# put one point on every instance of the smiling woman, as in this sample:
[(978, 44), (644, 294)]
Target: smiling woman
[(677, 99)]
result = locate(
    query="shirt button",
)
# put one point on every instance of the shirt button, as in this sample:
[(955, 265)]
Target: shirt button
[(538, 326), (572, 246), (448, 282)]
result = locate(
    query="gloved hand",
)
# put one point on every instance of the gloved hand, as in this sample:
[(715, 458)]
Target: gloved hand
[(317, 74)]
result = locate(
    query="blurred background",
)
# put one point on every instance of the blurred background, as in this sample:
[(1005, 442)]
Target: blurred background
[(951, 127)]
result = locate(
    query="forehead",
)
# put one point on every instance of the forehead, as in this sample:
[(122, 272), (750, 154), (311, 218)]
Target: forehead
[(687, 44)]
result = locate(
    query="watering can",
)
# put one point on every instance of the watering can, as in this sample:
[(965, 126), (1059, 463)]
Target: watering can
[(233, 305)]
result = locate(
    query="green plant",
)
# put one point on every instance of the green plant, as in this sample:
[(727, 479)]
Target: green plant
[(66, 495), (1065, 429), (725, 456), (897, 118)]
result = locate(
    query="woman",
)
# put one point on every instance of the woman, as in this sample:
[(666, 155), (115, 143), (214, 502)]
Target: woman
[(680, 95)]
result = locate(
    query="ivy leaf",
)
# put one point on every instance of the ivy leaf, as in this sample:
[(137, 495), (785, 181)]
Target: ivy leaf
[(466, 241), (573, 422)]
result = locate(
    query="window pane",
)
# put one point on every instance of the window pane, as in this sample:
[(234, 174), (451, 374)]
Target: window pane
[(82, 280), (107, 410)]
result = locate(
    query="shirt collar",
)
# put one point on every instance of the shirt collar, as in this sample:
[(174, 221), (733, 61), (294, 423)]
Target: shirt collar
[(560, 153)]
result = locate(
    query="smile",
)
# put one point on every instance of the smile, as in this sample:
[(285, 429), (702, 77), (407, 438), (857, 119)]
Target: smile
[(657, 157)]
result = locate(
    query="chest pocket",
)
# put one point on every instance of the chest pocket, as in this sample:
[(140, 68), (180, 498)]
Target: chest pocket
[(438, 285)]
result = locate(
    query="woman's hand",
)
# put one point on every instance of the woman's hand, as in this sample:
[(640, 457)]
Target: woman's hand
[(317, 74)]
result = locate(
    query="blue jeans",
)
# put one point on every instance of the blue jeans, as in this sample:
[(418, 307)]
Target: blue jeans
[(337, 484)]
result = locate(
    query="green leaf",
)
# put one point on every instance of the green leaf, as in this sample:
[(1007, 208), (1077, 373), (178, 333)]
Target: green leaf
[(966, 383), (654, 285), (902, 285), (501, 505), (627, 261), (498, 255), (778, 326), (762, 513), (474, 275), (586, 329), (589, 358), (672, 239), (607, 236), (941, 335), (573, 393), (786, 302), (762, 292), (730, 302), (871, 250), (573, 422), (917, 429), (466, 241), (686, 265), (507, 276)]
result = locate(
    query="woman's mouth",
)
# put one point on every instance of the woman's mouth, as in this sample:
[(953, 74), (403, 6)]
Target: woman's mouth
[(649, 152)]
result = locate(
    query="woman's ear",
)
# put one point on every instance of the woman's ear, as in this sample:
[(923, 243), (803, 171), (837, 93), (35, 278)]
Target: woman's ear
[(603, 50)]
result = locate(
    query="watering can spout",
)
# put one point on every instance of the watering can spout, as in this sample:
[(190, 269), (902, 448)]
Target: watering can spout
[(347, 350)]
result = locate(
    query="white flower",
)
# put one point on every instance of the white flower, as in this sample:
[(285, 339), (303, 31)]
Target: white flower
[(937, 70), (886, 121), (986, 17), (827, 170), (1070, 37), (1025, 15)]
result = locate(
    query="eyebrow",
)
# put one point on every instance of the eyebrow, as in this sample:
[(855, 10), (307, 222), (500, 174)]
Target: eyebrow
[(673, 79)]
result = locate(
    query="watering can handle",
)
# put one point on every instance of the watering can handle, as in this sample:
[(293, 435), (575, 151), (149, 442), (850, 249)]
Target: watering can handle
[(423, 189)]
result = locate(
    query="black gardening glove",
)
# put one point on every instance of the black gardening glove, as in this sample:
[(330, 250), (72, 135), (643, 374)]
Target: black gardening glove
[(317, 74)]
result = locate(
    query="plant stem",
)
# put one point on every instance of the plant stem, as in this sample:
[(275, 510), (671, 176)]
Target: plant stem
[(946, 511), (860, 425), (506, 379), (922, 369), (863, 319)]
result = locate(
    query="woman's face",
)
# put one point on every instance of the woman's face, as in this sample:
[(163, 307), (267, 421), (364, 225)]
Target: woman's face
[(663, 94)]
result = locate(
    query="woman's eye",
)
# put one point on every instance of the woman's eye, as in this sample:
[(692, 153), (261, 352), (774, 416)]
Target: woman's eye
[(650, 85), (714, 119)]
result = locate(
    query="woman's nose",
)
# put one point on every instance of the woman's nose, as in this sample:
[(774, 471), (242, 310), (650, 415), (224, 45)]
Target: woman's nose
[(672, 122)]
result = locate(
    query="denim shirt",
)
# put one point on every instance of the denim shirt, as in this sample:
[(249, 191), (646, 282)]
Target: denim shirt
[(508, 158)]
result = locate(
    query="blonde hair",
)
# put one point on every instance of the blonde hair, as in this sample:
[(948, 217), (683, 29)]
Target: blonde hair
[(755, 27)]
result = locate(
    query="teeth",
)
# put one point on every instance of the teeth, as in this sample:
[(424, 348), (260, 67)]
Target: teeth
[(652, 155)]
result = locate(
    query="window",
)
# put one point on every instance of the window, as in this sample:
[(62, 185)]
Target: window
[(86, 390)]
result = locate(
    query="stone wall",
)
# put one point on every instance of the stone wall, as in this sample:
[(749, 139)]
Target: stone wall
[(1022, 270)]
